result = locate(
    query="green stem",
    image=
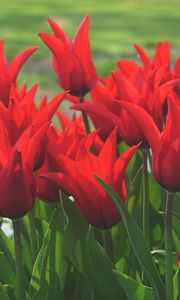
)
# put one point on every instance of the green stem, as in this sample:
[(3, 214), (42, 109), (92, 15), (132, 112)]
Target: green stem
[(18, 261), (85, 118), (33, 236), (108, 244), (145, 203), (168, 246)]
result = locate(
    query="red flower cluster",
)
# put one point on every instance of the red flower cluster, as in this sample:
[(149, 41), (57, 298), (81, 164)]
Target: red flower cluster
[(37, 158)]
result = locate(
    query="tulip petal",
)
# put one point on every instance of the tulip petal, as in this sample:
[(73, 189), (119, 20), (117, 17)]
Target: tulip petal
[(127, 67), (122, 163), (127, 90), (81, 47), (62, 181), (108, 119), (64, 62), (47, 112), (17, 188), (143, 56), (162, 55), (108, 151), (18, 62), (172, 126), (177, 68), (169, 165), (59, 33), (3, 74), (36, 147), (146, 123)]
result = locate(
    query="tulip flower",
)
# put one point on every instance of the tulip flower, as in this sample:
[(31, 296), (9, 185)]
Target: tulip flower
[(66, 142), (76, 179), (166, 146), (108, 113), (72, 60), (18, 185), (9, 72), (161, 57), (104, 94), (22, 112), (24, 137), (161, 60), (175, 74), (17, 188)]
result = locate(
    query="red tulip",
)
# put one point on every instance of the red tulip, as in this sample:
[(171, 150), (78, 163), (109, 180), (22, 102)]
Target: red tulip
[(9, 72), (72, 59), (66, 142), (22, 112), (107, 113), (18, 185), (17, 188), (104, 94), (76, 179), (23, 143), (166, 146), (161, 57), (176, 75)]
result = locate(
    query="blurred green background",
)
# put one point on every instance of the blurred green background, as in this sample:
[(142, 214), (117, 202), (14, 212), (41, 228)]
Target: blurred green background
[(115, 26)]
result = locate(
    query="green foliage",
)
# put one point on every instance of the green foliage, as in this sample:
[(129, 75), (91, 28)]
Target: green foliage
[(138, 242), (134, 289)]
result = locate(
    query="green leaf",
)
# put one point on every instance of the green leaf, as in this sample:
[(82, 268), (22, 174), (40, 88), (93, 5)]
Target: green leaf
[(6, 246), (75, 236), (76, 285), (43, 210), (176, 284), (3, 294), (26, 244), (9, 290), (138, 242), (41, 226), (38, 281), (75, 249), (176, 231), (57, 261), (102, 271), (7, 274), (49, 272), (156, 222), (134, 290)]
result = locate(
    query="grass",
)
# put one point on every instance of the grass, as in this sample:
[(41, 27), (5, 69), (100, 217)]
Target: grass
[(115, 26)]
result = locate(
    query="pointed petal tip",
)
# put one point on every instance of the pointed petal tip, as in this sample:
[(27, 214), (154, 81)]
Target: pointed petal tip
[(136, 46), (35, 86), (52, 23), (87, 18), (85, 22), (41, 34), (34, 48), (44, 36), (31, 49)]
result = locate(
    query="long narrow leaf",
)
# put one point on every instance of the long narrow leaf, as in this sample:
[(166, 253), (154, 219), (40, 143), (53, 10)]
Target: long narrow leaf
[(138, 242)]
